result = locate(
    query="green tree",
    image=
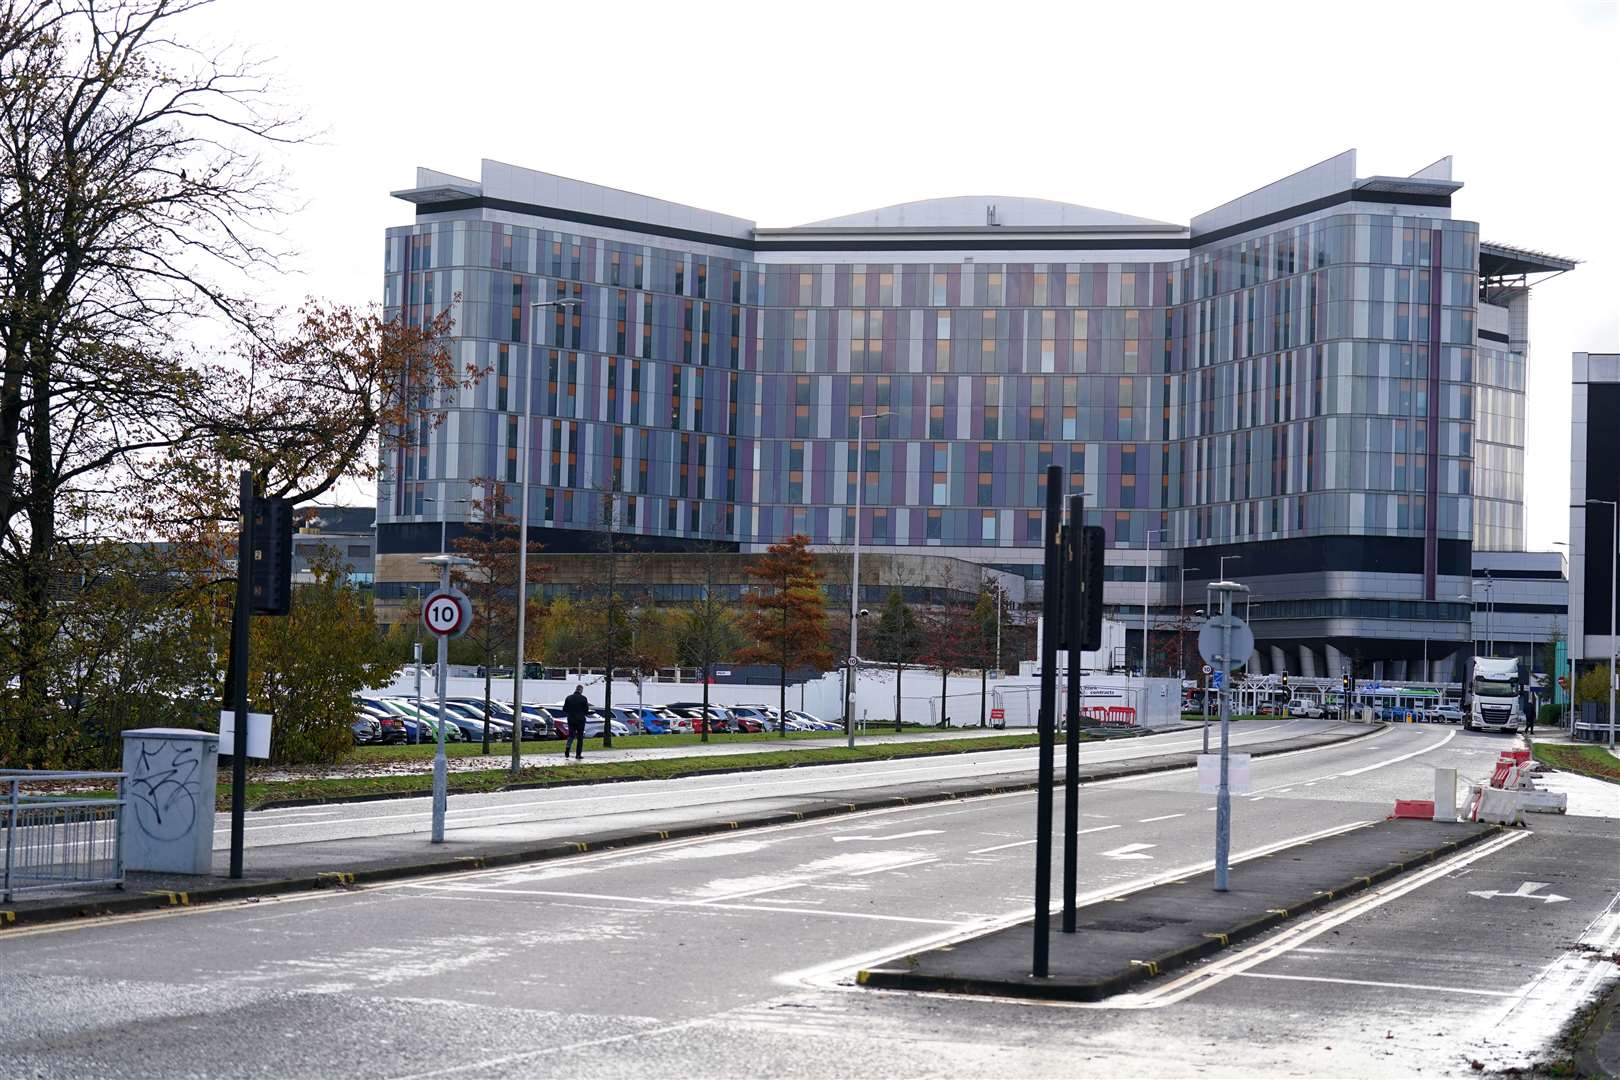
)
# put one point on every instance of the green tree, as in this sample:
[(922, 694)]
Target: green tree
[(1593, 686), (307, 667), (898, 640), (785, 620), (706, 633), (490, 582)]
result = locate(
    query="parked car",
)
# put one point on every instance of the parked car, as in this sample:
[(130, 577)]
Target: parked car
[(1306, 709), (813, 723), (660, 721), (719, 718), (366, 730), (550, 718), (596, 722), (1448, 714), (428, 723), (499, 730)]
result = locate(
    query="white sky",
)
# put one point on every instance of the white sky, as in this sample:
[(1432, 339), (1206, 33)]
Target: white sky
[(787, 113)]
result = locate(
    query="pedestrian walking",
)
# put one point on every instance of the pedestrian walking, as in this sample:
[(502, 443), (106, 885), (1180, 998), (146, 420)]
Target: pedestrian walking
[(576, 707), (1529, 721)]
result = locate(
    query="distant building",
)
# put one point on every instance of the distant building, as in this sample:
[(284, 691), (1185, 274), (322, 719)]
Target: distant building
[(1321, 381), (1594, 486), (346, 533)]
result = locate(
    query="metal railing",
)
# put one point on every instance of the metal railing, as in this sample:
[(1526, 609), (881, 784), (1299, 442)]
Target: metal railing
[(55, 841)]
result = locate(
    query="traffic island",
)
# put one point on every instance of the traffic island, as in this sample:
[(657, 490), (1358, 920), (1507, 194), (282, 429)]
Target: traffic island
[(1125, 940)]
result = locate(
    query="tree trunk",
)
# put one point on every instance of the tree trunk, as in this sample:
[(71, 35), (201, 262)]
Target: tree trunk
[(487, 716), (897, 672), (607, 707)]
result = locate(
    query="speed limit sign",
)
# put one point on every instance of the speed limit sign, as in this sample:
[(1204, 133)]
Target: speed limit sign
[(447, 613)]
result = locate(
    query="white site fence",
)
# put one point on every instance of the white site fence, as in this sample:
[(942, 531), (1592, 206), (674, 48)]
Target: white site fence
[(52, 841)]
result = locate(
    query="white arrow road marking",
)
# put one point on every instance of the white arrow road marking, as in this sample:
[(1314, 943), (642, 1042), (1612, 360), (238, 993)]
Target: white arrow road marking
[(894, 836), (1527, 891), (1129, 851)]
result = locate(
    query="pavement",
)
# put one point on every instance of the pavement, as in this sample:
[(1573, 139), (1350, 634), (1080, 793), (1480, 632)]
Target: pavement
[(736, 953), (353, 843)]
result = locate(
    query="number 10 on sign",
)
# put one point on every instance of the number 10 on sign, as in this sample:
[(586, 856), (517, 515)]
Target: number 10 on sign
[(447, 613)]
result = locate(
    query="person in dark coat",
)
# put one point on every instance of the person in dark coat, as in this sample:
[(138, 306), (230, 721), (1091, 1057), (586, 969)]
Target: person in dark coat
[(576, 707)]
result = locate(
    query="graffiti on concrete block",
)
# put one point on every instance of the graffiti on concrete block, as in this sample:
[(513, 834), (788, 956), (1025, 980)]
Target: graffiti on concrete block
[(163, 787)]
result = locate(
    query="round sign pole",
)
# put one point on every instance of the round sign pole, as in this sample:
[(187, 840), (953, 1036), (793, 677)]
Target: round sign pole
[(1221, 638), (446, 614)]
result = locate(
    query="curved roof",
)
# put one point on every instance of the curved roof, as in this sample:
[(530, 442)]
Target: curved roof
[(967, 211)]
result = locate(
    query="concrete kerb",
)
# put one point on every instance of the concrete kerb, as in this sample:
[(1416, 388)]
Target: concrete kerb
[(1139, 971), (133, 903)]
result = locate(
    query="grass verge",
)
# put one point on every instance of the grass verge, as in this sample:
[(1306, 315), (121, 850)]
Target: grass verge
[(1593, 761), (486, 780)]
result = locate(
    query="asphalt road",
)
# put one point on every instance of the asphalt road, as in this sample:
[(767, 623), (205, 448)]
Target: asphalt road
[(732, 955), (542, 813)]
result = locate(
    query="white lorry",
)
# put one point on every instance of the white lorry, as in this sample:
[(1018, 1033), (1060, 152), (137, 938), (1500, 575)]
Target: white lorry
[(1495, 695)]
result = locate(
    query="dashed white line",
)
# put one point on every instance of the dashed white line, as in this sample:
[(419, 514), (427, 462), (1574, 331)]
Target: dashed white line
[(1161, 817), (1026, 843)]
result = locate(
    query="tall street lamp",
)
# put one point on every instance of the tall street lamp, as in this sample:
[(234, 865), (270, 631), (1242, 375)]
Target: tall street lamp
[(1614, 631), (855, 578), (444, 519), (1147, 583), (525, 449)]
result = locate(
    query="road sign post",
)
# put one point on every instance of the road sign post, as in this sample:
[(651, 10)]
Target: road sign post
[(1052, 616), (1074, 599), (447, 614), (1223, 639)]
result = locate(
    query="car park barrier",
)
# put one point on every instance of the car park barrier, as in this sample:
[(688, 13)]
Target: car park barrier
[(53, 841)]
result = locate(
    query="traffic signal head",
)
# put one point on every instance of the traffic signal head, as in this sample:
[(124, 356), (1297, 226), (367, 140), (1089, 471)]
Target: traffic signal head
[(271, 556), (1092, 545), (1285, 678)]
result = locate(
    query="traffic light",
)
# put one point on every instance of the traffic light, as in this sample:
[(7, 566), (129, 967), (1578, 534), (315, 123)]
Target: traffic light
[(1285, 680), (271, 577), (1347, 684), (1089, 625)]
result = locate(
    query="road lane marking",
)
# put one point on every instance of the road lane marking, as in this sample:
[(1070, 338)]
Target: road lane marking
[(1395, 760), (896, 866), (891, 836), (490, 1063), (1382, 985), (839, 974), (1161, 817), (1026, 843), (664, 901), (1130, 851), (1526, 891), (1290, 937), (1542, 1006)]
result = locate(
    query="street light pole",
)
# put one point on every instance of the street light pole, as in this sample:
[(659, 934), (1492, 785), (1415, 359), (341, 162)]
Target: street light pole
[(526, 451), (1147, 574), (855, 580)]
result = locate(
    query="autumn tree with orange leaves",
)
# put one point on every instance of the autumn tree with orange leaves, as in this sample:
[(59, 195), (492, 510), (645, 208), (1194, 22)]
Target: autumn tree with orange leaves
[(785, 617)]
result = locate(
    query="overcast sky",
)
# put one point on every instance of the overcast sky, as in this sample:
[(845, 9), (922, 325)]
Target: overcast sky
[(787, 113)]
